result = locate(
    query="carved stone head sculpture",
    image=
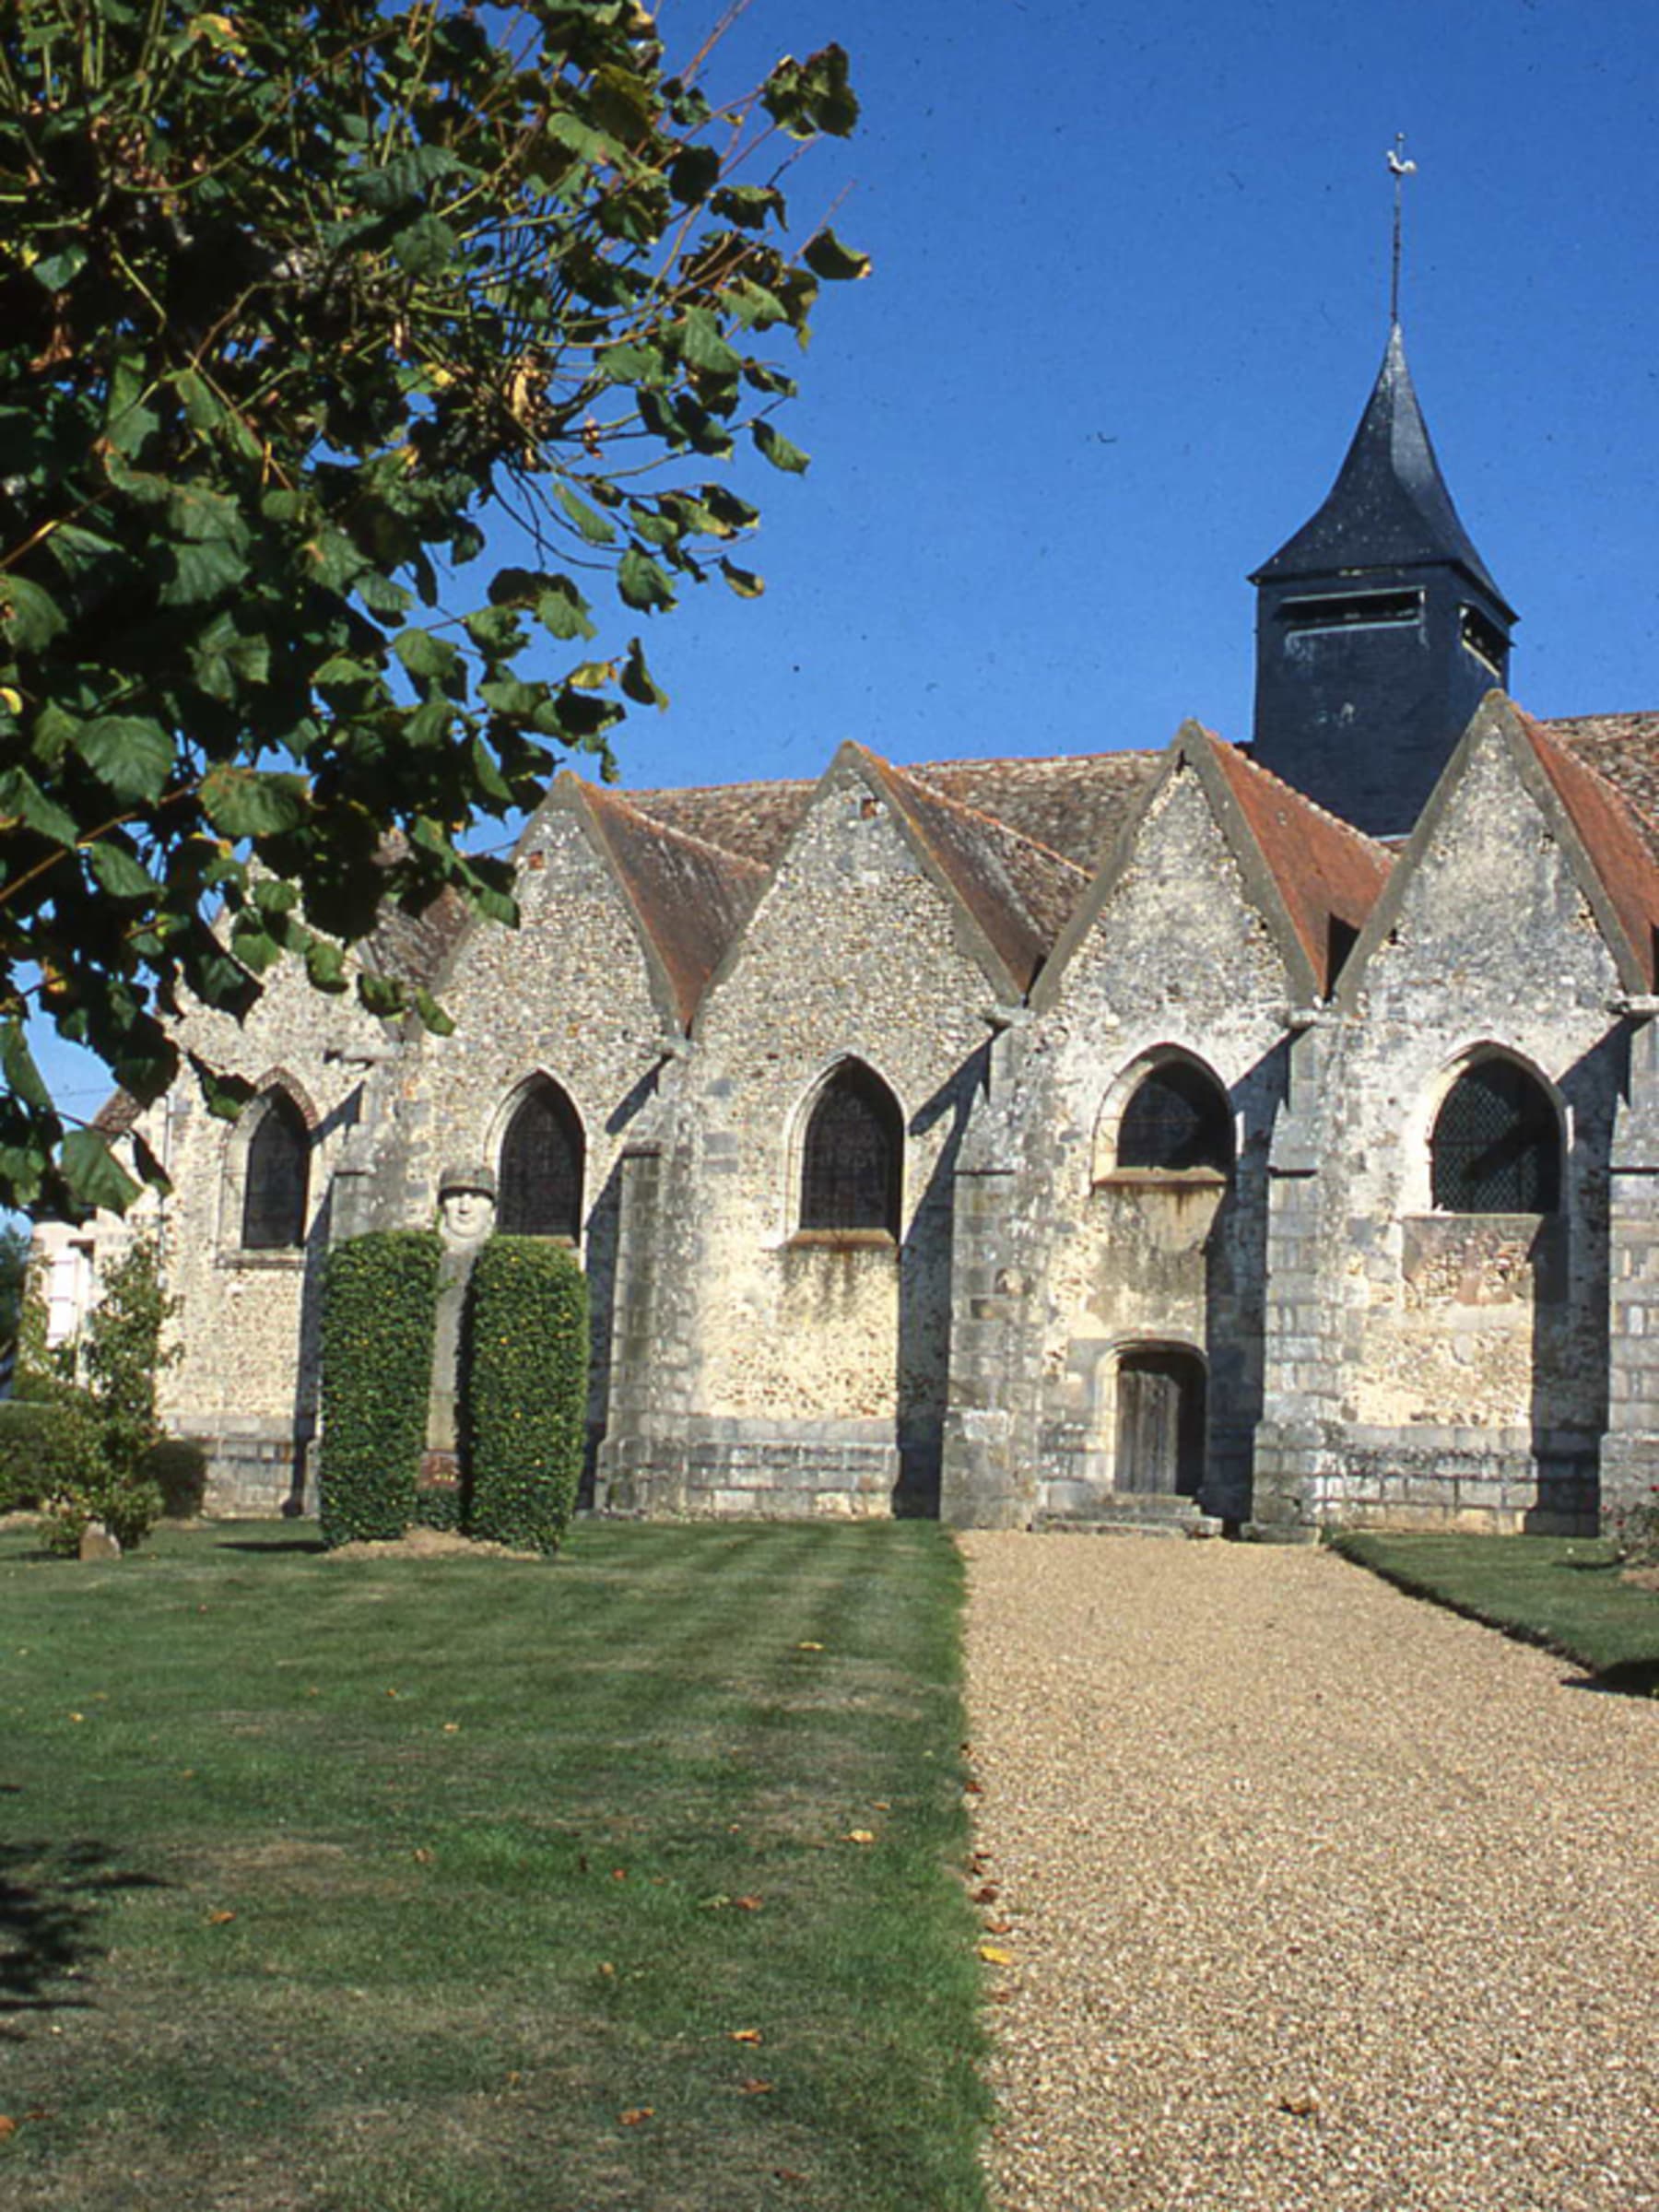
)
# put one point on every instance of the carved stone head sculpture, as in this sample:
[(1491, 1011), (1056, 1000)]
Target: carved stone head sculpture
[(467, 1203)]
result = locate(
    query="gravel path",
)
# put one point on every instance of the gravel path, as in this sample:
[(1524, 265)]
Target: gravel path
[(1318, 1899)]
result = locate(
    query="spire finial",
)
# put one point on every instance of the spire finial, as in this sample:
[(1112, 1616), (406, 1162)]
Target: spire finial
[(1399, 169)]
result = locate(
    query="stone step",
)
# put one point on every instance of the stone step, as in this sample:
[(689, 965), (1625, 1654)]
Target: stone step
[(1136, 1514)]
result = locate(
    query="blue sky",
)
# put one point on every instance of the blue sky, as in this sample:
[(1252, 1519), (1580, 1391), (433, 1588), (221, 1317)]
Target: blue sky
[(1130, 293)]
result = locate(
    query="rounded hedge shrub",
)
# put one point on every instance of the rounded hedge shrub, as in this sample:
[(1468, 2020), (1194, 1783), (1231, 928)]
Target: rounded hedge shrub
[(380, 1305), (524, 1386), (47, 1446)]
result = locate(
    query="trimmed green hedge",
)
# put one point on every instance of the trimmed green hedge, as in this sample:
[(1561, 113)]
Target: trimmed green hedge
[(524, 1391), (46, 1446), (380, 1306)]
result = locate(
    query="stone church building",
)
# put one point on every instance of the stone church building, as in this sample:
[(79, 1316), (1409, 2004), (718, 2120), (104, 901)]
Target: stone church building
[(1264, 1136)]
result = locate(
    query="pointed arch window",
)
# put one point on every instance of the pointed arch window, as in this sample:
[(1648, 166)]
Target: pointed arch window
[(1177, 1117), (1497, 1143), (277, 1177), (543, 1156), (853, 1155)]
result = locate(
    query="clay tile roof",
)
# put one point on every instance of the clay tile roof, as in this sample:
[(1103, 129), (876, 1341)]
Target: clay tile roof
[(412, 948), (691, 898), (753, 820), (1618, 840), (1624, 749), (1019, 893), (1074, 804), (1327, 871), (119, 1112)]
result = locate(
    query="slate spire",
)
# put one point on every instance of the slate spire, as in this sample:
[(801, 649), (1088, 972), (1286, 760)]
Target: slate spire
[(1379, 626)]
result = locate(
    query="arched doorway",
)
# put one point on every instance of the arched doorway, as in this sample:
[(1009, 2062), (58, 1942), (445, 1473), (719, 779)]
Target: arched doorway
[(1161, 1416)]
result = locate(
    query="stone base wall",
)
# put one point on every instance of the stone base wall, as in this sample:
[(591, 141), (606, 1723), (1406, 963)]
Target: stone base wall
[(257, 1468), (1488, 1481), (712, 1465)]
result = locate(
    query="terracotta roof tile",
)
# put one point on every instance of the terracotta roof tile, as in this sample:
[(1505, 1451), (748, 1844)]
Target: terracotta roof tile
[(1019, 893), (690, 896), (1329, 874), (1074, 804), (1624, 749), (1620, 842)]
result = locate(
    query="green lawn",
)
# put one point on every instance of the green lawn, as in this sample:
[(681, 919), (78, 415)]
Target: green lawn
[(440, 1886), (1562, 1592)]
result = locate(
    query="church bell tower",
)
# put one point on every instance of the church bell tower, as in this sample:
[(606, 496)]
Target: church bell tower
[(1378, 625)]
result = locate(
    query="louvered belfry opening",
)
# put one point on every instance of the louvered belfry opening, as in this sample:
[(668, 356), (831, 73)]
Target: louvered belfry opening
[(277, 1177), (852, 1160), (1497, 1143), (1178, 1117), (542, 1157)]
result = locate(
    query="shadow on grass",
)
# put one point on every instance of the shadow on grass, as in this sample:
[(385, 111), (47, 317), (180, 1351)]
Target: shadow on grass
[(269, 1545), (50, 1896)]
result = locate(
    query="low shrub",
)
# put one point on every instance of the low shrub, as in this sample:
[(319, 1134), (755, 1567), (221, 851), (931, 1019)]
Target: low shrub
[(46, 1445), (524, 1385), (439, 1505), (178, 1467), (379, 1306)]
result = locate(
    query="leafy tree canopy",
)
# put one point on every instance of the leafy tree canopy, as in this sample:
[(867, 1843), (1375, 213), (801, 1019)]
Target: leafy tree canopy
[(293, 297)]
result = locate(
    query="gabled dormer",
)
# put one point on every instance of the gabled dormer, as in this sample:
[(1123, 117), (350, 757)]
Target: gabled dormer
[(1378, 628)]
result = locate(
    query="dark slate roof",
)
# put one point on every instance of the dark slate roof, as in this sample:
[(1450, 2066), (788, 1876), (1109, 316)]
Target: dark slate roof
[(1325, 869), (1389, 506), (1019, 893), (1619, 841), (690, 898), (1074, 804)]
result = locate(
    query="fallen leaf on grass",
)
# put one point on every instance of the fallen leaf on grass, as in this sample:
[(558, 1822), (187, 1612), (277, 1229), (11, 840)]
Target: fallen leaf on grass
[(452, 1727), (746, 2035), (607, 1970), (218, 1920), (880, 1805), (1302, 2103), (751, 2087), (999, 1928), (635, 2114), (619, 1874), (993, 1955), (809, 1647), (787, 2173), (973, 1789), (77, 1716), (8, 2127), (423, 1857), (748, 1904), (987, 1893), (859, 1835)]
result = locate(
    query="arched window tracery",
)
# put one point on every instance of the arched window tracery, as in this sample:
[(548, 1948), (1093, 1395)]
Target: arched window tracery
[(276, 1176), (852, 1154), (1495, 1147), (543, 1156), (1177, 1117)]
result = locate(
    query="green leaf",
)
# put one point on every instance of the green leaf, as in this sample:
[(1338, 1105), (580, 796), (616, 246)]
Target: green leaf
[(253, 946), (129, 753), (94, 1174), (17, 1062), (425, 655), (747, 206), (119, 873), (562, 611), (702, 346), (325, 964), (638, 683), (59, 268), (633, 364), (744, 582), (593, 527), (642, 582), (30, 618), (199, 570), (777, 448), (20, 794), (379, 994), (433, 1015), (250, 802), (827, 257), (224, 1094), (425, 247)]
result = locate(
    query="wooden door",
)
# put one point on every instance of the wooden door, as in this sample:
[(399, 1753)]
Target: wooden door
[(1160, 1422)]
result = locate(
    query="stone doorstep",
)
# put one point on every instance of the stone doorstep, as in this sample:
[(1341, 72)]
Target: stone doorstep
[(1132, 1513)]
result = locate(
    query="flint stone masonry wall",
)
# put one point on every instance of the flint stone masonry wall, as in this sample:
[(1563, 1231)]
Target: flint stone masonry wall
[(246, 1386), (788, 1334), (1179, 956)]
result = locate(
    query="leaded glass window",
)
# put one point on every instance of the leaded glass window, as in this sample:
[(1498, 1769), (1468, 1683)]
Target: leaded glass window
[(852, 1157), (1497, 1143), (1177, 1118), (276, 1178), (542, 1156)]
